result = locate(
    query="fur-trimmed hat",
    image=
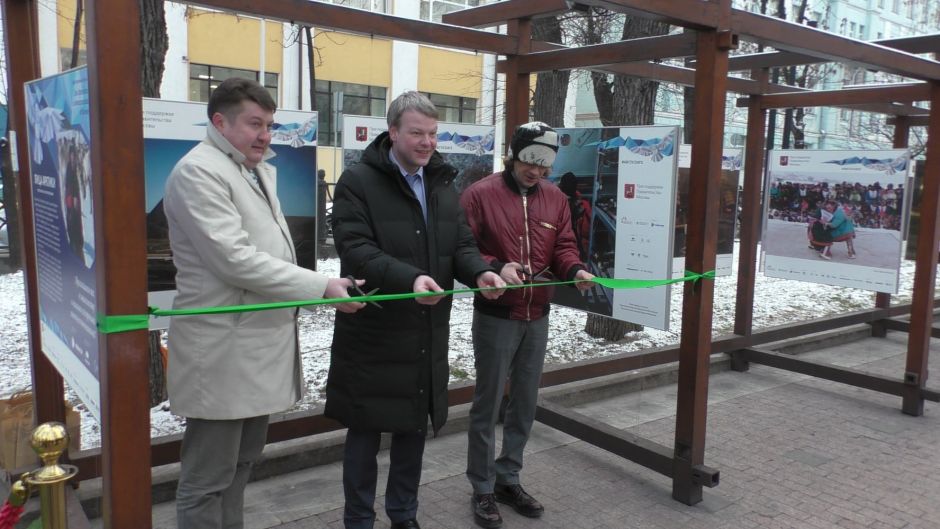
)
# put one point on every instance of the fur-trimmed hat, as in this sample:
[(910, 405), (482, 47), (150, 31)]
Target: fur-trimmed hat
[(534, 143)]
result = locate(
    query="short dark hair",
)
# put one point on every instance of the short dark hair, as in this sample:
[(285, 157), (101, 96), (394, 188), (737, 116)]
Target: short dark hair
[(229, 95)]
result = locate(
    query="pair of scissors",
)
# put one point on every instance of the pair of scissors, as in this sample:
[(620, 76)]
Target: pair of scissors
[(539, 277), (355, 291)]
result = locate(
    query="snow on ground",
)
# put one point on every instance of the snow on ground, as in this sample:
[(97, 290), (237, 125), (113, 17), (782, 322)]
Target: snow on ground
[(776, 302)]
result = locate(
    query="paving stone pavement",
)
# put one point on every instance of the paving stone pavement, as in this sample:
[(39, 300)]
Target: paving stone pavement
[(793, 451)]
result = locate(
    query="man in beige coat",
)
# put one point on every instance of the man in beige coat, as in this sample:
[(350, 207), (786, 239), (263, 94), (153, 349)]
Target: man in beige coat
[(231, 246)]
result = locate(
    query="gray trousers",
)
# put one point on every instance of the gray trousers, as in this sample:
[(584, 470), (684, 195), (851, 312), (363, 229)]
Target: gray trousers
[(216, 461), (503, 349)]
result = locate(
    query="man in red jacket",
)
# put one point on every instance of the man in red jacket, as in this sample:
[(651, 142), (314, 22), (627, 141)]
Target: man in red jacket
[(522, 226)]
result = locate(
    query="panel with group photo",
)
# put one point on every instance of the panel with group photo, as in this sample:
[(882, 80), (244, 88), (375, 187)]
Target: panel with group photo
[(836, 217)]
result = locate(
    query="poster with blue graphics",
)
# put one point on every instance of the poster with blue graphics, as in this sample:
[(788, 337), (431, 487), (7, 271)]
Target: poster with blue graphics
[(621, 186), (836, 217), (469, 148), (59, 141), (172, 128)]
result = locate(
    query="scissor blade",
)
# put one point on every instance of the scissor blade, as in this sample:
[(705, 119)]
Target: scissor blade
[(373, 303)]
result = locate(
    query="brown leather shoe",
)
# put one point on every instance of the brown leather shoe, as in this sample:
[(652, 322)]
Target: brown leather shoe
[(485, 511), (519, 499)]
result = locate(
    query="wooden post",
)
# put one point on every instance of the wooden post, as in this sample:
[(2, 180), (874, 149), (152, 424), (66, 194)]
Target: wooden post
[(751, 212), (925, 272), (902, 133), (517, 84), (751, 220), (116, 116), (695, 344), (22, 48)]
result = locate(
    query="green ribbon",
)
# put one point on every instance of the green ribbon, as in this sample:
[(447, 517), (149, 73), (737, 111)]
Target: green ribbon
[(136, 322)]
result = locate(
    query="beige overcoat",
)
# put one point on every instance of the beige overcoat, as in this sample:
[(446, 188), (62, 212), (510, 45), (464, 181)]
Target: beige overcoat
[(231, 246)]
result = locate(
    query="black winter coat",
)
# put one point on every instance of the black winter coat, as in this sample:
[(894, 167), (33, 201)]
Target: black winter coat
[(388, 366)]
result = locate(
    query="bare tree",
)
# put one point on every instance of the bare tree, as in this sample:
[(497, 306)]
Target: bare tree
[(551, 88), (624, 100)]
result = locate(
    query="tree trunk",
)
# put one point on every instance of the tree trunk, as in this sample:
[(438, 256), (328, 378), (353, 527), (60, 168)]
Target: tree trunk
[(551, 88), (76, 33), (157, 370), (154, 42), (312, 66), (598, 326), (624, 100)]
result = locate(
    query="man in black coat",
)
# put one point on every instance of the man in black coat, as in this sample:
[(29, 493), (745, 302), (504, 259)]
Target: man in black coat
[(398, 224)]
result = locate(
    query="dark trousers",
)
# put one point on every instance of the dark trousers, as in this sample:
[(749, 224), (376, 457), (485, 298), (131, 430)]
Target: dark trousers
[(360, 473), (216, 460)]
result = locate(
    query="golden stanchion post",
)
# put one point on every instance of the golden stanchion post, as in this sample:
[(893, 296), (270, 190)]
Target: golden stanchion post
[(49, 441)]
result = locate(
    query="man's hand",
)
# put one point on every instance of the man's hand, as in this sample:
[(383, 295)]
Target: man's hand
[(427, 284), (336, 288), (491, 280), (584, 280), (510, 273)]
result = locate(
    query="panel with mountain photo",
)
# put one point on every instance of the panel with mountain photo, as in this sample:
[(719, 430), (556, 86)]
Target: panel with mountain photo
[(172, 128)]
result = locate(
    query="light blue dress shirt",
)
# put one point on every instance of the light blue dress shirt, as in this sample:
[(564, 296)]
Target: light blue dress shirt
[(415, 182)]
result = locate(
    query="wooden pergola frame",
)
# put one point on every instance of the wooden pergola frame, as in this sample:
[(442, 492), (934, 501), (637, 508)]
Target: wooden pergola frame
[(113, 59)]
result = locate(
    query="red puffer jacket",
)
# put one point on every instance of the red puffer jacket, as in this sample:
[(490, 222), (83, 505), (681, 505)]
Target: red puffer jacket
[(532, 229)]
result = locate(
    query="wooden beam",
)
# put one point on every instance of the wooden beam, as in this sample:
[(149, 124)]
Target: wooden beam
[(788, 36), (905, 326), (825, 371), (772, 59), (925, 269), (22, 49), (906, 93), (780, 34), (660, 72), (117, 153), (911, 121), (502, 12), (686, 77), (624, 51), (346, 19), (650, 454)]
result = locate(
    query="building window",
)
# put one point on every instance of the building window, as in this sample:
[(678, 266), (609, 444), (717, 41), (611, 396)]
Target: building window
[(455, 109), (881, 4), (358, 100), (433, 10), (203, 78)]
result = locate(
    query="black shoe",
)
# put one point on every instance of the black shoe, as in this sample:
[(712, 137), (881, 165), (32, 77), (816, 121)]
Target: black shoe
[(407, 524), (485, 511), (519, 499)]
